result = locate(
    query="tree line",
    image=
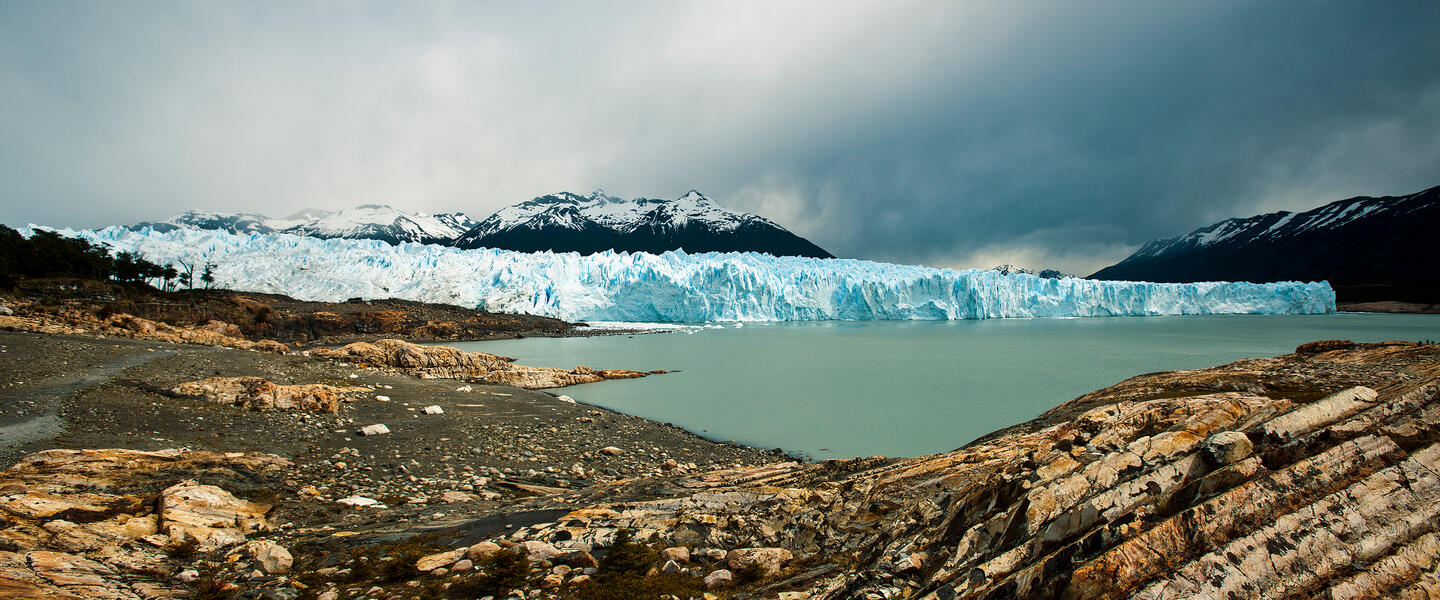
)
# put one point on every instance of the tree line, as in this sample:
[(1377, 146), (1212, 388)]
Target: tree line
[(49, 254)]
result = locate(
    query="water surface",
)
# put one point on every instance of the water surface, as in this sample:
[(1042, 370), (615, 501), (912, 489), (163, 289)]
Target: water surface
[(906, 388)]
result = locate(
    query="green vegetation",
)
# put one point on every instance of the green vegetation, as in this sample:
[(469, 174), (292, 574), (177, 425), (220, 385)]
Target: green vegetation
[(49, 254), (496, 575), (624, 574)]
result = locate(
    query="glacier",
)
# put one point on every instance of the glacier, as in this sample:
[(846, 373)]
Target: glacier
[(677, 287)]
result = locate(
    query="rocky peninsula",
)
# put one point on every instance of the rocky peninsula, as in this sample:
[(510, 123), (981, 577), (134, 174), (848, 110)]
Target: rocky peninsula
[(165, 469)]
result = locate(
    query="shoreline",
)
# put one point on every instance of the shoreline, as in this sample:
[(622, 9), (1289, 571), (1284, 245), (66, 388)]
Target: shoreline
[(504, 467), (1393, 307)]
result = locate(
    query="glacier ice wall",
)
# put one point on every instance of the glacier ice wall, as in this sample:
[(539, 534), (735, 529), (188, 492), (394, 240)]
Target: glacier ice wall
[(679, 287)]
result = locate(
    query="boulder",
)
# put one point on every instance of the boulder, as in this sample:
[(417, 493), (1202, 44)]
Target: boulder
[(445, 362), (679, 554), (358, 501), (209, 515), (257, 393), (719, 578), (376, 429), (770, 560), (271, 346), (433, 410), (538, 551), (579, 559), (273, 558), (481, 550), (1228, 447), (439, 560), (449, 496)]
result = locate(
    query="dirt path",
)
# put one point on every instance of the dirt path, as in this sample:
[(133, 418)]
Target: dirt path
[(31, 408)]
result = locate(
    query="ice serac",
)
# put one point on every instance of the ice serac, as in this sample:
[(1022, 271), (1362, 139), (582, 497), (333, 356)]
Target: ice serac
[(679, 287)]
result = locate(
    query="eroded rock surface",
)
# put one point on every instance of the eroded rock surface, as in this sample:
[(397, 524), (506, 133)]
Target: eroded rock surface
[(1315, 474), (1310, 475), (445, 362), (258, 393), (212, 333), (105, 523)]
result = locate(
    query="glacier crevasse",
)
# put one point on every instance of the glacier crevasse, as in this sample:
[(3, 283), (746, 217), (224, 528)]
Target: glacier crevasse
[(680, 287)]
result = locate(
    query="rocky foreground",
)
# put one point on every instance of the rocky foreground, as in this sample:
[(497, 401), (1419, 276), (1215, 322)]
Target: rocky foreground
[(1310, 475)]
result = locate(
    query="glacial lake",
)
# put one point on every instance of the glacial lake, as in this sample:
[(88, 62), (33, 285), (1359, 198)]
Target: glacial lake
[(906, 388)]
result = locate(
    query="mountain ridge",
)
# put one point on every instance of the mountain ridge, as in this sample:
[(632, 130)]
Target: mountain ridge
[(1369, 249), (559, 222), (568, 222)]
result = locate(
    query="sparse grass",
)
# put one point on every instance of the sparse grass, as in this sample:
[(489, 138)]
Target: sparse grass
[(622, 576), (381, 563), (495, 575)]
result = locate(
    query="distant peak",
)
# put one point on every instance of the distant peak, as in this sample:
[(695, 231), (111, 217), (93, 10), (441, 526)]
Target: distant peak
[(374, 207), (310, 213)]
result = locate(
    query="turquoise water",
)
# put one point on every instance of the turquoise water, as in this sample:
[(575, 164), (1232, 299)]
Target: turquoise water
[(906, 388)]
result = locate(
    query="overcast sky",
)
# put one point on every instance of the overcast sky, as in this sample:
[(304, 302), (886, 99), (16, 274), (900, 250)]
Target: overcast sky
[(1048, 134)]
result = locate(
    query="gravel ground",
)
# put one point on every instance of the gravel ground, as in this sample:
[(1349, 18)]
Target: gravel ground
[(495, 442)]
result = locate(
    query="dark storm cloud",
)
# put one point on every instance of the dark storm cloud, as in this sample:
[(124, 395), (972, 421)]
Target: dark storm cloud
[(1049, 134)]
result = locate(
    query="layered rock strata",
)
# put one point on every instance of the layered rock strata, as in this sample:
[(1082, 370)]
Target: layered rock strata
[(212, 333), (107, 523), (258, 393), (1315, 474), (445, 362), (1310, 475)]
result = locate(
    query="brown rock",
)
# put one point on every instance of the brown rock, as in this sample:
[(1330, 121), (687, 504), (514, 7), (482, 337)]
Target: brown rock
[(210, 515), (1228, 447), (1310, 475), (260, 394), (481, 551), (438, 560), (450, 363), (273, 558), (679, 554), (770, 560)]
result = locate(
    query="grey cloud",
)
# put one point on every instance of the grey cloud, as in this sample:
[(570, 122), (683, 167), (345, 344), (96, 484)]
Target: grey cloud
[(945, 133)]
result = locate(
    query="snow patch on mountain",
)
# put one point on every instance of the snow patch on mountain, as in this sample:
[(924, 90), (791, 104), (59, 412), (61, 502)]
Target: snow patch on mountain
[(573, 211), (680, 287), (1282, 224), (370, 221)]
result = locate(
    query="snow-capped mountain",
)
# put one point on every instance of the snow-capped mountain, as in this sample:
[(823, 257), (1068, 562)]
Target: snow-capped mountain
[(562, 222), (1368, 248), (381, 222), (1008, 269), (200, 219), (370, 221), (567, 222)]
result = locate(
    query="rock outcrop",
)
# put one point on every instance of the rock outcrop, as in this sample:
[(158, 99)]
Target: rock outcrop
[(444, 362), (1315, 474), (105, 523), (212, 333), (258, 393), (1310, 475)]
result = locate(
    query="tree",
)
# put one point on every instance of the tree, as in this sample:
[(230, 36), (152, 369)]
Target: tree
[(209, 275), (187, 274), (167, 275)]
